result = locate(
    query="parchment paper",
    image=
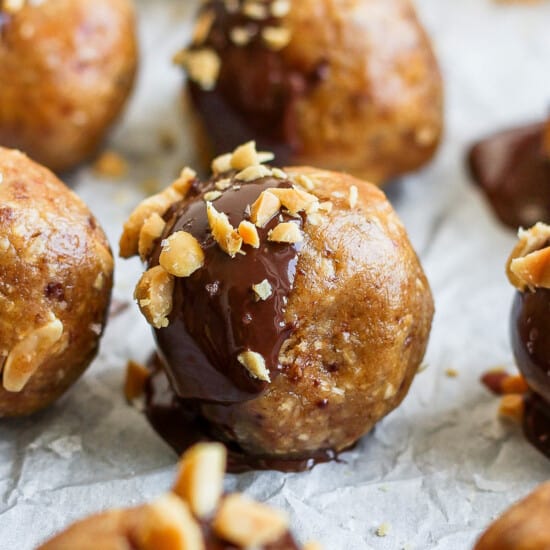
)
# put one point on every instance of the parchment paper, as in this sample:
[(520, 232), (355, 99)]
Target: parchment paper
[(438, 469)]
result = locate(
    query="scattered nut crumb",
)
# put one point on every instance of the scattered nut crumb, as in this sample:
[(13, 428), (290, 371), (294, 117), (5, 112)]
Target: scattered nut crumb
[(222, 164), (276, 38), (264, 208), (383, 530), (255, 10), (223, 232), (111, 165), (212, 196), (240, 36), (451, 373), (223, 184), (279, 174), (255, 365), (511, 407), (280, 8), (252, 173), (154, 296), (295, 200), (202, 66), (202, 27), (136, 376), (152, 229), (353, 196)]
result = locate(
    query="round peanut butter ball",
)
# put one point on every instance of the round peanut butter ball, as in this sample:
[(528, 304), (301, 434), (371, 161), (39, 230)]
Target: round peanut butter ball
[(351, 86), (67, 69), (290, 306), (56, 275)]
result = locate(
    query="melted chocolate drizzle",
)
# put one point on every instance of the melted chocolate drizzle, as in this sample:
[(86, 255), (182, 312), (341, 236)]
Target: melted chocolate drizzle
[(180, 423), (215, 314), (530, 324), (513, 171), (257, 89)]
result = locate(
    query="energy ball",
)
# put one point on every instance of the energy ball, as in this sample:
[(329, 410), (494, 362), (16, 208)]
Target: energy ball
[(56, 275), (196, 515), (350, 86), (529, 272), (525, 526), (67, 69), (288, 304)]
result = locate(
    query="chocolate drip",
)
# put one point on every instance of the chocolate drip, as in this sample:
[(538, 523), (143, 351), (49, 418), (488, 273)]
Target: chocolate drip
[(256, 91), (530, 325), (513, 171), (216, 315), (180, 424)]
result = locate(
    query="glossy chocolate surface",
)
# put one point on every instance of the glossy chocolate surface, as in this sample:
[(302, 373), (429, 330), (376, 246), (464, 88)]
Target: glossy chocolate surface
[(531, 344), (256, 90), (216, 314), (179, 422), (513, 171)]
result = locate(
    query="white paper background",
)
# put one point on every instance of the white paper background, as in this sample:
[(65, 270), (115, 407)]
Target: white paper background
[(438, 469)]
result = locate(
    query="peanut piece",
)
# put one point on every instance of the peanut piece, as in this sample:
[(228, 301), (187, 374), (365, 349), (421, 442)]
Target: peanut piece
[(154, 296), (223, 232), (181, 254), (287, 232), (200, 477), (295, 200), (249, 234), (254, 363), (136, 376), (264, 208), (247, 523), (152, 229), (29, 353)]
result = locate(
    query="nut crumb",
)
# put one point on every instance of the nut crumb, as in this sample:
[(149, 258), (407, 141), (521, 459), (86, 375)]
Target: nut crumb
[(152, 229), (223, 232), (154, 296), (264, 208), (249, 234), (253, 173), (255, 365), (280, 8), (181, 254), (383, 530), (111, 165), (451, 373), (222, 164), (240, 36), (276, 38), (212, 196), (287, 232), (511, 407), (136, 376), (262, 290), (202, 66), (353, 196), (255, 10)]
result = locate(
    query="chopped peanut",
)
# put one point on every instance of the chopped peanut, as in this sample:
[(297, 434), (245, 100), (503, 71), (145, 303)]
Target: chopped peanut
[(200, 477), (222, 164), (265, 207), (154, 296), (152, 229), (253, 173), (249, 234), (202, 66), (247, 523), (263, 290), (511, 406), (223, 232), (294, 200), (255, 365), (136, 376), (181, 254), (276, 38), (286, 233)]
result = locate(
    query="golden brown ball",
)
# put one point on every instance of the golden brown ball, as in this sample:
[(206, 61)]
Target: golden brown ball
[(56, 275), (67, 69), (349, 86), (289, 304)]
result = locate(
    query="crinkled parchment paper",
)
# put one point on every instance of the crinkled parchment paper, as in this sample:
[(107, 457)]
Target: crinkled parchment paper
[(438, 469)]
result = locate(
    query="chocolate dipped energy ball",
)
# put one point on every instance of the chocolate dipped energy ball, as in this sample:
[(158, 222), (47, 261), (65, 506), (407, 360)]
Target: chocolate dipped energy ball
[(196, 515), (512, 168), (56, 274), (350, 86), (525, 526), (290, 310), (529, 272), (67, 69)]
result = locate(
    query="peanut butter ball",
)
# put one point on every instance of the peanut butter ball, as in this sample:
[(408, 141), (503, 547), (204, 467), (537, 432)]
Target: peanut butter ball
[(56, 275), (67, 69), (525, 526), (288, 305), (351, 86)]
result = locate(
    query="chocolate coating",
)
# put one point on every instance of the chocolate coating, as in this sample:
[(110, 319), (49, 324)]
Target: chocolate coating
[(513, 171), (215, 315), (342, 335), (531, 345), (356, 89)]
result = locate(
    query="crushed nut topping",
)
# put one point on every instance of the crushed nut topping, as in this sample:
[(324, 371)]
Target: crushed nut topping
[(134, 383), (154, 296), (252, 173), (223, 184), (223, 232), (512, 407), (262, 290), (280, 8), (295, 200), (240, 36), (264, 208), (202, 27), (152, 229), (168, 525), (212, 196), (279, 174), (247, 524), (276, 38), (111, 165), (29, 353), (202, 66), (222, 164), (353, 196), (254, 363), (287, 232), (181, 254), (255, 10), (529, 263), (200, 478), (249, 234), (159, 204), (12, 6)]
